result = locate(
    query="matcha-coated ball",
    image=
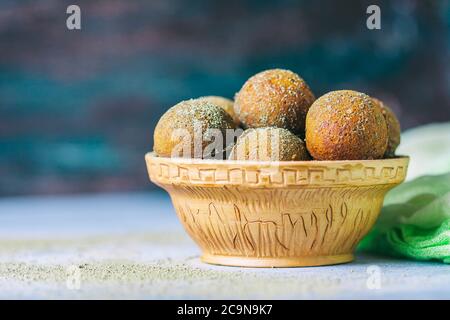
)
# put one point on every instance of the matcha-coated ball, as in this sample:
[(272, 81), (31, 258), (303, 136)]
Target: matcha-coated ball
[(269, 144), (274, 98), (345, 125), (183, 131), (393, 127), (226, 104)]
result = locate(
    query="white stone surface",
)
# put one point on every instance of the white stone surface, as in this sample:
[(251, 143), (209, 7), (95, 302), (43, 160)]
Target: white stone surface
[(131, 246)]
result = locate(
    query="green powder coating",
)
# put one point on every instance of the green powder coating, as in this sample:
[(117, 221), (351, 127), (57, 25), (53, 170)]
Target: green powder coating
[(345, 125), (210, 115), (393, 127), (191, 115), (289, 146), (274, 98), (225, 104)]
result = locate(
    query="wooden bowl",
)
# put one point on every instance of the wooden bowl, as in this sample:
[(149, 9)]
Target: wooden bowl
[(276, 214)]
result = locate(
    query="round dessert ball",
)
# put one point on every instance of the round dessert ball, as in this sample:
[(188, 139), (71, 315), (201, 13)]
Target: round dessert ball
[(183, 131), (393, 128), (269, 144), (345, 125), (274, 98), (224, 103)]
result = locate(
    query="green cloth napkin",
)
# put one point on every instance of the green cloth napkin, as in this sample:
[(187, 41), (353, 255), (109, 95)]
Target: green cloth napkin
[(428, 148), (415, 221)]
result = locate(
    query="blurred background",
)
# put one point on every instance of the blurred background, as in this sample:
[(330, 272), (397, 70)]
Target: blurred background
[(78, 108)]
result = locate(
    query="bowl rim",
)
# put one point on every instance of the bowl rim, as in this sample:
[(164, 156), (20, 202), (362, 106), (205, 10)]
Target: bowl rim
[(261, 174), (187, 161)]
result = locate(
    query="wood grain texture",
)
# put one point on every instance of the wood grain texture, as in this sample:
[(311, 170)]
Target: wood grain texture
[(290, 214)]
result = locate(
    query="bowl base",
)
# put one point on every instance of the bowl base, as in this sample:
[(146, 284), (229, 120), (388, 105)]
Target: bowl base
[(282, 262)]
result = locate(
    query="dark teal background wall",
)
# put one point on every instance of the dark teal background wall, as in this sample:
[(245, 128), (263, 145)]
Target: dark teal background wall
[(78, 108)]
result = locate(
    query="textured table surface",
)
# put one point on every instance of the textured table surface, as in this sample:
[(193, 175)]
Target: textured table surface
[(132, 246)]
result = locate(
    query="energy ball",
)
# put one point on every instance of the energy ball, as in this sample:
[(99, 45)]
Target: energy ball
[(393, 127), (185, 130), (226, 104), (269, 144), (345, 125), (274, 98)]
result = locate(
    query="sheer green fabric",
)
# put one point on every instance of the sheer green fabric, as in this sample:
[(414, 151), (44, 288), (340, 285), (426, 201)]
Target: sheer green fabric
[(415, 221)]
